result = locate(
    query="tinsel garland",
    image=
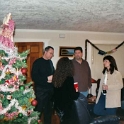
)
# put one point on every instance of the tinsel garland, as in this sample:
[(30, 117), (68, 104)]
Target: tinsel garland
[(11, 63), (30, 119), (20, 109), (11, 52), (12, 103), (5, 88), (13, 70)]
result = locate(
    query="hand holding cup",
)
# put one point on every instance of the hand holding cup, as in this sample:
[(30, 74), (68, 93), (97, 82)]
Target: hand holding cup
[(76, 86)]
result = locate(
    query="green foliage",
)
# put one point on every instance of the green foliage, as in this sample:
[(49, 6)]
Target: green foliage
[(8, 76), (23, 94), (2, 53), (24, 54), (2, 81), (22, 78), (19, 64), (4, 62), (5, 101)]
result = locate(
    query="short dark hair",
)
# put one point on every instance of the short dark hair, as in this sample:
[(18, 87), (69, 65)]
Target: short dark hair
[(78, 48), (48, 47)]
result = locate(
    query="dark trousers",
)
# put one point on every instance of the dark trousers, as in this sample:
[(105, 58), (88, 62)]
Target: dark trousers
[(69, 116), (45, 104), (99, 108)]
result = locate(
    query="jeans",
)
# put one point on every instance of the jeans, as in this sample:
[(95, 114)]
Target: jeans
[(99, 108), (122, 104), (84, 93)]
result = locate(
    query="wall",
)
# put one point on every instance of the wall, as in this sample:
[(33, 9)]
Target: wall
[(97, 60), (71, 38)]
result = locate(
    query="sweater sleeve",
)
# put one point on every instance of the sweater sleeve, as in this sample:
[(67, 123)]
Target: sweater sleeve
[(73, 94)]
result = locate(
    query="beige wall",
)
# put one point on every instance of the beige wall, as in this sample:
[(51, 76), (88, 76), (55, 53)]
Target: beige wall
[(72, 38)]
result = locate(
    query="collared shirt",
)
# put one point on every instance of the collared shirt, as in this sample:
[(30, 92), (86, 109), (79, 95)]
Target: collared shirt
[(82, 75)]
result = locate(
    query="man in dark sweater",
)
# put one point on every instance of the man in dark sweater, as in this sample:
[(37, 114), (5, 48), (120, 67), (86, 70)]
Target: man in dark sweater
[(82, 73), (42, 73)]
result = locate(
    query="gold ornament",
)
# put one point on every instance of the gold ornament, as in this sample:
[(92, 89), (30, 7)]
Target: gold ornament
[(30, 100), (24, 107), (8, 71), (14, 78)]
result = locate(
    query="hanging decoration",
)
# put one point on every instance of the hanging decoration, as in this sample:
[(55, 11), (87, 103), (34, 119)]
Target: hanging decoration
[(101, 52)]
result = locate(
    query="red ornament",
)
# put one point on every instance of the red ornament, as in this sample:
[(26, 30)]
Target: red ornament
[(28, 112), (34, 102), (7, 81), (39, 121), (24, 70)]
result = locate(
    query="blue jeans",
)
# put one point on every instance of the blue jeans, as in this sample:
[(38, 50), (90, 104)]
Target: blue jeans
[(84, 93), (99, 108), (122, 104)]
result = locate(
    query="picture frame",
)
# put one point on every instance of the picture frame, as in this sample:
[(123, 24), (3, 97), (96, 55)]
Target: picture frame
[(66, 51)]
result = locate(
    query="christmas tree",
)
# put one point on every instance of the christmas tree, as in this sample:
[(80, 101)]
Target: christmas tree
[(17, 99)]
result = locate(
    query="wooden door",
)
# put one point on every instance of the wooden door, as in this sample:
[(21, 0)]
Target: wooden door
[(36, 51)]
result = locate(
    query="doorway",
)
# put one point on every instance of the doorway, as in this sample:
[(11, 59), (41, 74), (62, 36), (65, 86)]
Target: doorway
[(36, 51)]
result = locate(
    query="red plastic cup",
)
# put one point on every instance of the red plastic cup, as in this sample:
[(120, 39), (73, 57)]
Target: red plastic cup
[(76, 86)]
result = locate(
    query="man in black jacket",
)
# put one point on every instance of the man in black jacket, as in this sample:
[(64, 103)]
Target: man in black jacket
[(42, 73)]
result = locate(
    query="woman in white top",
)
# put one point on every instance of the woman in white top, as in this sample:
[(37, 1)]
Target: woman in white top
[(109, 94)]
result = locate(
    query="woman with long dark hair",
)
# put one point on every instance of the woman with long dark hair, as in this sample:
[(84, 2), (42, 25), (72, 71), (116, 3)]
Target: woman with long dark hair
[(64, 92), (109, 94)]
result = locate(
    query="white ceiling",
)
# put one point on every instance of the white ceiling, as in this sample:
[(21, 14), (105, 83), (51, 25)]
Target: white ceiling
[(80, 15)]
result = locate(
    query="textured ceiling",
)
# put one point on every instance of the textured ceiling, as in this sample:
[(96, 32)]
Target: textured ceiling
[(80, 15)]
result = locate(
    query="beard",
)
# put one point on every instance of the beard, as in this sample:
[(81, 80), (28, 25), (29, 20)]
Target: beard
[(78, 58)]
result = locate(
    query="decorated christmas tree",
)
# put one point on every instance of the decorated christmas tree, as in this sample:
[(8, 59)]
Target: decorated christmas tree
[(17, 99)]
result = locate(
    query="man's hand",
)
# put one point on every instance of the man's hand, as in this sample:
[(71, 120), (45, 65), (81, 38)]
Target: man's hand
[(50, 78)]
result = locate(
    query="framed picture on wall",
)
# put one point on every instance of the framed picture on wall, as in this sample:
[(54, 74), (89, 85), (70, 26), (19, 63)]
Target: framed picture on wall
[(66, 51)]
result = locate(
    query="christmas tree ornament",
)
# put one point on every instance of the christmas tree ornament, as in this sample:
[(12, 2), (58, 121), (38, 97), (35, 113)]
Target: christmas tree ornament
[(39, 121), (28, 112), (9, 97), (7, 81), (15, 95), (34, 102), (24, 60), (14, 78), (22, 87), (24, 107), (20, 115), (7, 71), (30, 100), (24, 70)]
